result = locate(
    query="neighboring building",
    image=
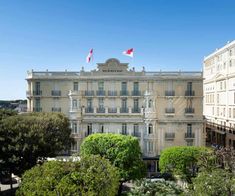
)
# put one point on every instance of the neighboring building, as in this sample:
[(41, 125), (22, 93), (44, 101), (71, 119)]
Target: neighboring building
[(219, 96), (162, 109)]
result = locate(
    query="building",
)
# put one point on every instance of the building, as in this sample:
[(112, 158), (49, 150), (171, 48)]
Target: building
[(219, 96), (162, 109)]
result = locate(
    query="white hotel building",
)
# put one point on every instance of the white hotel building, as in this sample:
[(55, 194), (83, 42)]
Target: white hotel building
[(219, 95), (161, 109)]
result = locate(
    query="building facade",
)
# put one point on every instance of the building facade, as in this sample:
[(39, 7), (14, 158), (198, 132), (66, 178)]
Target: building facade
[(219, 96), (162, 109)]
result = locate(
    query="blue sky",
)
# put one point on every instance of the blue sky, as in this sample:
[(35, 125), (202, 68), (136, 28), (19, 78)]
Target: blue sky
[(57, 35)]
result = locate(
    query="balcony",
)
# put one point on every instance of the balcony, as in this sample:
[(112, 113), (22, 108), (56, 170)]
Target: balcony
[(189, 111), (56, 109), (112, 110), (170, 111), (56, 93), (169, 136), (100, 110), (189, 135), (89, 110), (100, 93), (37, 93), (112, 93), (170, 93), (37, 109), (135, 110), (124, 110), (89, 93), (136, 93), (124, 93), (189, 93)]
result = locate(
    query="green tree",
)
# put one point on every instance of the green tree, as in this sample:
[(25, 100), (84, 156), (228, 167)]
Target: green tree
[(25, 138), (92, 175), (217, 182), (4, 113), (146, 187), (181, 160), (121, 150), (42, 179)]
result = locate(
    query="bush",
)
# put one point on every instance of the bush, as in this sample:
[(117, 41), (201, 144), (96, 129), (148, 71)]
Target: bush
[(148, 187)]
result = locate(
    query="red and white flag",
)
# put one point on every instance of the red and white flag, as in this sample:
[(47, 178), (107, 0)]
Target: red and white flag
[(89, 56), (129, 52)]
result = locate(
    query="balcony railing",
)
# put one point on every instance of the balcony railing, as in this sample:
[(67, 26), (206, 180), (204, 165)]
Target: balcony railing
[(56, 93), (124, 110), (89, 93), (136, 93), (56, 109), (37, 93), (100, 110), (169, 93), (37, 109), (135, 110), (100, 93), (170, 110), (124, 93), (189, 110), (169, 136), (190, 93), (112, 93), (189, 136), (112, 110), (89, 110)]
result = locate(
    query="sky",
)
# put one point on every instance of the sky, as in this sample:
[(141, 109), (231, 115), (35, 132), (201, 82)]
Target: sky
[(166, 35)]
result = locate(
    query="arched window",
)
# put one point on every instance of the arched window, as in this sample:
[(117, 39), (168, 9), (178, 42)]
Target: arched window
[(150, 103), (150, 129)]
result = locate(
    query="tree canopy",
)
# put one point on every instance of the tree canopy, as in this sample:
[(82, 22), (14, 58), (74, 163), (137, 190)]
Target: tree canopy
[(181, 160), (25, 138), (121, 150), (92, 175)]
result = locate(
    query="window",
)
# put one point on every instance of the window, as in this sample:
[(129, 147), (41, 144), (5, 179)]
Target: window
[(217, 98), (150, 146), (150, 129), (89, 129), (75, 86), (74, 127), (223, 112), (136, 103), (89, 103), (37, 103), (75, 103), (233, 112), (217, 111), (124, 129), (150, 103), (189, 129), (37, 86), (234, 97), (101, 102), (189, 143), (136, 130), (101, 128), (230, 112), (136, 86), (212, 110), (100, 85), (189, 86), (124, 103), (124, 86), (74, 147), (230, 63)]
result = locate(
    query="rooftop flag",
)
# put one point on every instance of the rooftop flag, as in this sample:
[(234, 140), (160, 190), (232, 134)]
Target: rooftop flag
[(129, 52), (89, 56)]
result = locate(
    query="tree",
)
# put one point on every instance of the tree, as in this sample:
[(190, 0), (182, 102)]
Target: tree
[(181, 160), (25, 138), (147, 187), (121, 150), (92, 175), (4, 113), (217, 182)]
